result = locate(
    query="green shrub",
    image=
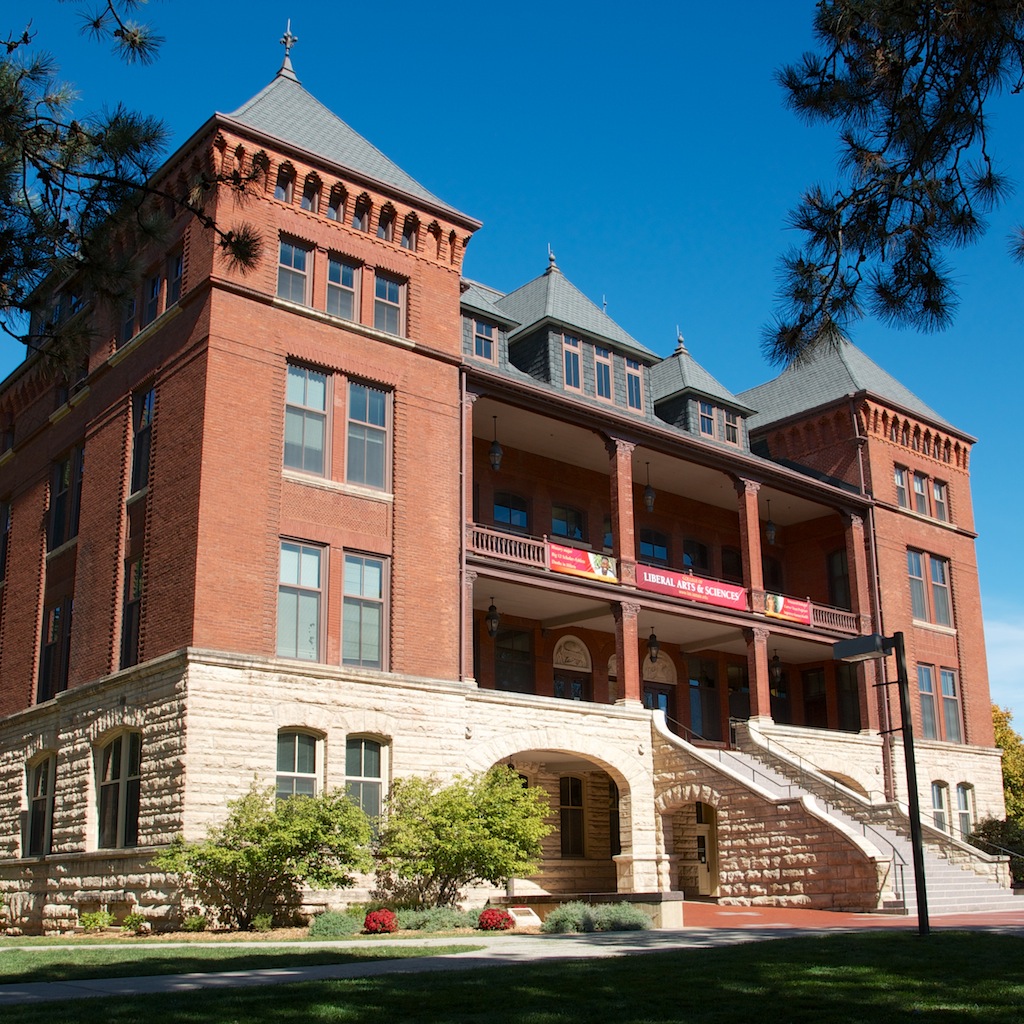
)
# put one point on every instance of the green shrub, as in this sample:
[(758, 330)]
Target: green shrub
[(566, 917), (606, 917), (96, 920), (194, 923), (262, 922), (435, 919), (333, 924), (135, 923)]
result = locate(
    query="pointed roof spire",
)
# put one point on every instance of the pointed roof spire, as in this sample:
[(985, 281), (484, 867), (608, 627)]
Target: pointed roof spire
[(680, 343), (552, 265), (288, 41)]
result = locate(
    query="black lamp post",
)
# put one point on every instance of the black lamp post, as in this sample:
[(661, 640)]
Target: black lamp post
[(869, 648)]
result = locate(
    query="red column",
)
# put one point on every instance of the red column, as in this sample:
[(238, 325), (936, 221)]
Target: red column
[(857, 567), (623, 530), (627, 651), (750, 541), (757, 671)]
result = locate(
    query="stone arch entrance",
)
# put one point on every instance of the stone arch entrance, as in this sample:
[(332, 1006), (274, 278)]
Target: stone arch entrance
[(689, 832)]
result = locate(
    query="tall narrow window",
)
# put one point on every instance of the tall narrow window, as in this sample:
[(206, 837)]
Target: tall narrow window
[(707, 419), (570, 807), (732, 427), (900, 478), (342, 288), (921, 493), (511, 512), (940, 815), (284, 187), (143, 404), (311, 195), (941, 609), (5, 537), (915, 573), (175, 272), (940, 501), (838, 579), (926, 693), (42, 777), (364, 782), (132, 617), (603, 372), (410, 233), (571, 356), (965, 809), (366, 458), (483, 341), (388, 295), (65, 497), (362, 630), (296, 765), (848, 697), (298, 601), (815, 701), (305, 420), (151, 300), (120, 776), (292, 272), (361, 214), (336, 204), (56, 649), (950, 706), (127, 331), (386, 223), (634, 385)]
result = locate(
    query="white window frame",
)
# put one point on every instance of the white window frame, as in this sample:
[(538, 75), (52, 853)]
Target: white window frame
[(299, 782)]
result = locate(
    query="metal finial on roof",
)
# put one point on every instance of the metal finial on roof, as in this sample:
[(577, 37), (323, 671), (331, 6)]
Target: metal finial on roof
[(552, 265), (680, 344), (288, 41)]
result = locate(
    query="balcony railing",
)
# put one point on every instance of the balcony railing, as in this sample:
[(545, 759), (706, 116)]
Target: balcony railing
[(511, 547), (837, 620)]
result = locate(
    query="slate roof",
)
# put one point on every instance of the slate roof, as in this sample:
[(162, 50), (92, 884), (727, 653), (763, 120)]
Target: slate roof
[(285, 111), (553, 298), (831, 373), (681, 372), (482, 299)]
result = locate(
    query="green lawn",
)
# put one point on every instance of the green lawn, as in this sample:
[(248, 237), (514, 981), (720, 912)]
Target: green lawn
[(132, 961), (863, 978)]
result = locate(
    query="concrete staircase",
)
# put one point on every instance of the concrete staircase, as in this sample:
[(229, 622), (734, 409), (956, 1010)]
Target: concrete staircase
[(959, 879)]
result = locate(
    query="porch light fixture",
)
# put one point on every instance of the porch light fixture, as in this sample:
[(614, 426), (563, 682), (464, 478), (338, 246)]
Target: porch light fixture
[(868, 648), (492, 619), (495, 455), (653, 647), (769, 527), (649, 494), (775, 669)]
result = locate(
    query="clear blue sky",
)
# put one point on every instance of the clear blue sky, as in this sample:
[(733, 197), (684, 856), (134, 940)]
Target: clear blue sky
[(648, 145)]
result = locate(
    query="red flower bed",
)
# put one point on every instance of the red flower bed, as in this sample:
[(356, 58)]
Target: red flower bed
[(493, 920), (379, 921)]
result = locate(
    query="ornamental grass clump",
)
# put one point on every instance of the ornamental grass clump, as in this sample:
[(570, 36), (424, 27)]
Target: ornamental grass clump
[(333, 924), (380, 922), (435, 919), (493, 919), (608, 917)]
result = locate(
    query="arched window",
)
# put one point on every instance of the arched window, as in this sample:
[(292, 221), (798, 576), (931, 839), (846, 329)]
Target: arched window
[(965, 809), (336, 204), (572, 669), (311, 194), (284, 188), (410, 232), (298, 764), (41, 778), (361, 213), (364, 773), (940, 806), (119, 773), (386, 223)]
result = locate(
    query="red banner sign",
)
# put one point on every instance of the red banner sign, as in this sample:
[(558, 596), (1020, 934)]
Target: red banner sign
[(780, 607), (693, 588), (582, 563)]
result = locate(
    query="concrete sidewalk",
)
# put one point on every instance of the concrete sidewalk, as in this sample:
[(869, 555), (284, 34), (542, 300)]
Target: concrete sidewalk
[(707, 925)]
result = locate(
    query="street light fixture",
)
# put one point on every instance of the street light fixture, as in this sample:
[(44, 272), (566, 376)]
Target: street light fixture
[(869, 648)]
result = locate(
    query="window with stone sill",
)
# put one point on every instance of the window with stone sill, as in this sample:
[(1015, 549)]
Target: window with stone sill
[(298, 764), (364, 774), (364, 614), (389, 304), (571, 816), (295, 264), (343, 288), (306, 419), (42, 779), (299, 600), (930, 599), (119, 774)]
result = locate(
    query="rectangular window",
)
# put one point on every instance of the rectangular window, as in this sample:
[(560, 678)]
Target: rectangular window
[(950, 707), (299, 600), (707, 419), (151, 300), (132, 617), (511, 512), (654, 546), (56, 649), (634, 385), (305, 420), (921, 493), (939, 815), (915, 572), (603, 372), (342, 289), (848, 697), (65, 498), (732, 427), (940, 501), (388, 298), (41, 788), (296, 765), (364, 775), (571, 358), (900, 479), (175, 272), (567, 521), (293, 265), (483, 341), (143, 404), (513, 661), (570, 805), (363, 625), (941, 609), (366, 459), (127, 322), (120, 776), (926, 694)]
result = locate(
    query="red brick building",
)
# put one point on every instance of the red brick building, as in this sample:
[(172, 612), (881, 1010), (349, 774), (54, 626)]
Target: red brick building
[(353, 516)]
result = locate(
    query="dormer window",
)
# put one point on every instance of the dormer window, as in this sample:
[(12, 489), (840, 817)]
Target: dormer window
[(732, 427), (634, 385), (483, 341), (707, 419), (603, 372), (571, 358)]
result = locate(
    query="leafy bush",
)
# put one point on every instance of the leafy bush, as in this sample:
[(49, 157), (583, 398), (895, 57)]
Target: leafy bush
[(135, 923), (96, 920), (1002, 837), (607, 917), (194, 923), (435, 919), (262, 922), (335, 925), (259, 859), (380, 921), (494, 919)]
